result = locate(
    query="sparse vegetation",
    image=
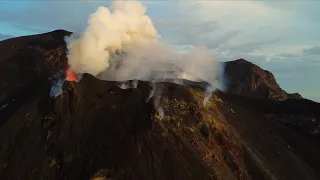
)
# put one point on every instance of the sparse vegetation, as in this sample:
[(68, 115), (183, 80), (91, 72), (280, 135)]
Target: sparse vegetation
[(52, 163), (54, 58), (205, 128)]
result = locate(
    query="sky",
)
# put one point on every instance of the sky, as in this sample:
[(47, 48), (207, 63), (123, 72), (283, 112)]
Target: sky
[(280, 36)]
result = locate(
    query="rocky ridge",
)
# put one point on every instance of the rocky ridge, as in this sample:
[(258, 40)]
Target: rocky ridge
[(246, 78), (107, 132)]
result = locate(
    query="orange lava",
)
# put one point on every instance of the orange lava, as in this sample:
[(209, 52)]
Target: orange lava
[(70, 75)]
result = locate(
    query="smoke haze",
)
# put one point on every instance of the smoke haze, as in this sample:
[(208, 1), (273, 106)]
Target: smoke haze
[(122, 44)]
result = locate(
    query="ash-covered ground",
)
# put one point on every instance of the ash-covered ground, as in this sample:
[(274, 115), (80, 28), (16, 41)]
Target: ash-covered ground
[(95, 129)]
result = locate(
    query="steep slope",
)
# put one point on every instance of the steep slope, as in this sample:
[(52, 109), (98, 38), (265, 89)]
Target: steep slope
[(109, 129), (26, 60), (285, 146), (248, 79), (97, 130)]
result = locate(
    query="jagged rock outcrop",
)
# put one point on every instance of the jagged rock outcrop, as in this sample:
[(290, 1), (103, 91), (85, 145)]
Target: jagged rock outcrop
[(246, 78)]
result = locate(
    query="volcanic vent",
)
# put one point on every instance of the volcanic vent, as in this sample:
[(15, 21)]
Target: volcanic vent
[(95, 128)]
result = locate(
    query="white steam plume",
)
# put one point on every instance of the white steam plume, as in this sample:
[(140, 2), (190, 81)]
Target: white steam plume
[(122, 44)]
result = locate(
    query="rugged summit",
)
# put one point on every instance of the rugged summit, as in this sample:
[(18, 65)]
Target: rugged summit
[(246, 78), (95, 130)]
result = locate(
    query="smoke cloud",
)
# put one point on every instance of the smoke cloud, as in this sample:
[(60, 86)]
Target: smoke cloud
[(121, 44)]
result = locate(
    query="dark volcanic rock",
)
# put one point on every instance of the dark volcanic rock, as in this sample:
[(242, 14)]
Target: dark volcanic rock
[(246, 78), (30, 60), (95, 130)]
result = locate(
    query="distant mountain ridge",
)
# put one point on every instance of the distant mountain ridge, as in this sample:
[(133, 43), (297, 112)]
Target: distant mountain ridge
[(246, 78)]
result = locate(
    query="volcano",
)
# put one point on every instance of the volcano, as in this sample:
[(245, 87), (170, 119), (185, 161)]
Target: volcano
[(96, 130)]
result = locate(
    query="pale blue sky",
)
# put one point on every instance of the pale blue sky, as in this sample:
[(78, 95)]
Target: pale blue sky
[(280, 36)]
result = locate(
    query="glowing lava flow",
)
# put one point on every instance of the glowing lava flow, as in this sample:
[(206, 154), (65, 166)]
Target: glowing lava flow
[(70, 75)]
